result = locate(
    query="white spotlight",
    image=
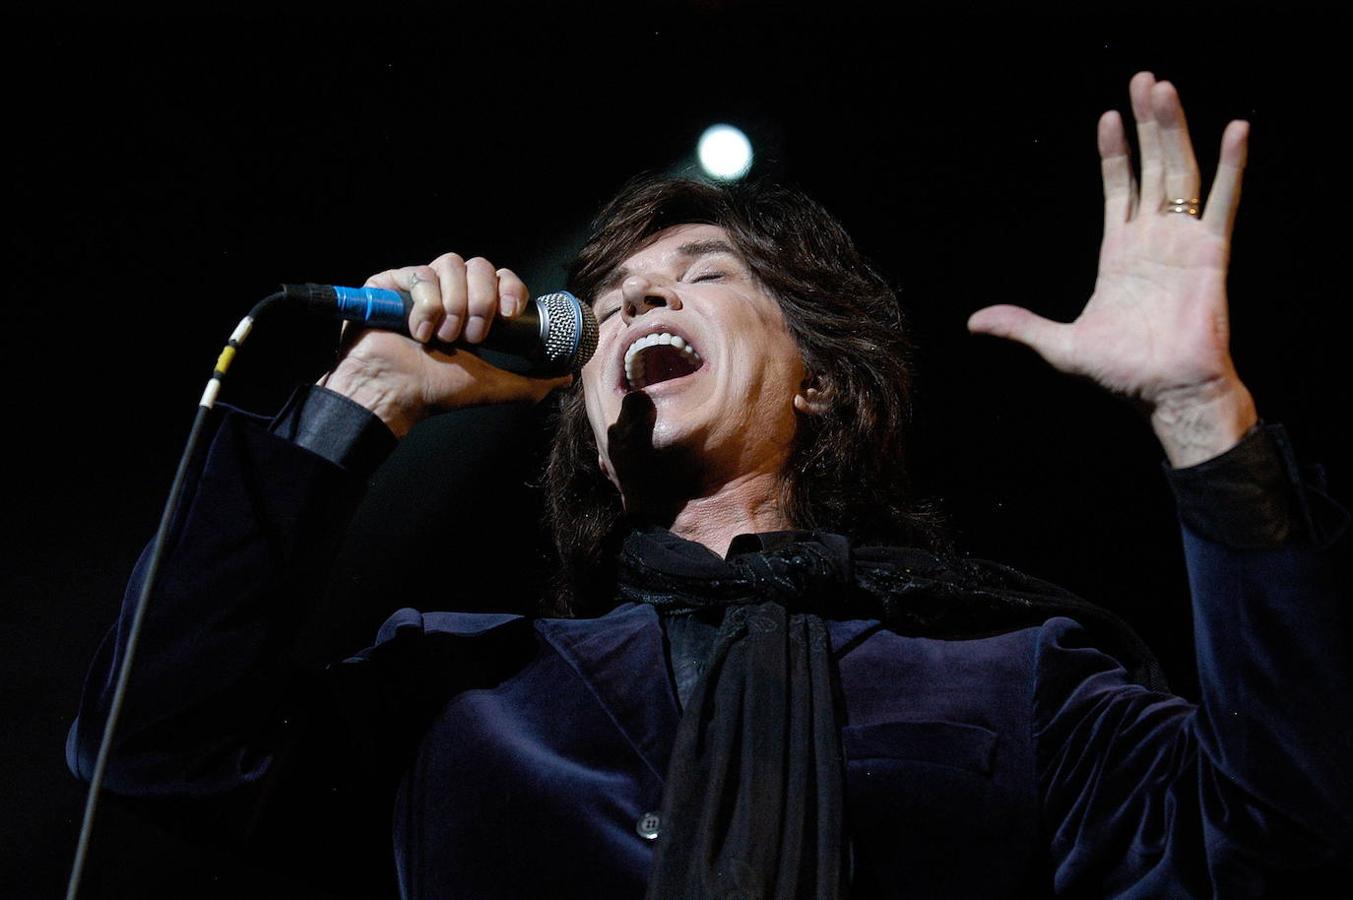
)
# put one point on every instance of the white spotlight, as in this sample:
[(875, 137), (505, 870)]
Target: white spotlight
[(725, 153)]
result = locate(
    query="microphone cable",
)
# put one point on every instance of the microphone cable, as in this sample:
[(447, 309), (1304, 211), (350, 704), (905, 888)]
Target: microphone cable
[(204, 407)]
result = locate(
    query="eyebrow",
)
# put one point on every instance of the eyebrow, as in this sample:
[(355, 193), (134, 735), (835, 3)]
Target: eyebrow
[(691, 250)]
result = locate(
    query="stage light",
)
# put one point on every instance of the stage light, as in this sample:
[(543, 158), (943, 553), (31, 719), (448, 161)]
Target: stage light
[(724, 152)]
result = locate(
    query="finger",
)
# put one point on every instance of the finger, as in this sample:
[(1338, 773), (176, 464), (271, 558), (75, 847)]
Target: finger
[(1181, 178), (1115, 164), (1224, 198), (384, 280), (491, 384), (1050, 340), (349, 332), (1148, 142), (450, 269), (536, 389), (482, 299), (420, 283), (512, 293), (544, 386)]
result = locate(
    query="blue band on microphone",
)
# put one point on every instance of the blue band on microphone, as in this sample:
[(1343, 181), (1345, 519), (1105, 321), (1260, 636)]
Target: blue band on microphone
[(376, 307)]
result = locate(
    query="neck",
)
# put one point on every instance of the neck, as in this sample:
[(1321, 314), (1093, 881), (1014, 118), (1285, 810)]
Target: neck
[(746, 505), (702, 497)]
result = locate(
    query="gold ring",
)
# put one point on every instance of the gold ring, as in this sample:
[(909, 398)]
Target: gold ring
[(1191, 207)]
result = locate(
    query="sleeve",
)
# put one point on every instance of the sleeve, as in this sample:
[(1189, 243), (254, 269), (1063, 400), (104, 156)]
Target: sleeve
[(1248, 792), (212, 692), (335, 428)]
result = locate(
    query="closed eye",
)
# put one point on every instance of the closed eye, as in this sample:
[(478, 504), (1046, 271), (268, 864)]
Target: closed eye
[(709, 276)]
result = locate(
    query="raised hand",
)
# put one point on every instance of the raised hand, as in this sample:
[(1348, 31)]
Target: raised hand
[(403, 381), (1156, 328)]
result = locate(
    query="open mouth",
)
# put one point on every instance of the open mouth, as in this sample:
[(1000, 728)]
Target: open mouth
[(655, 358)]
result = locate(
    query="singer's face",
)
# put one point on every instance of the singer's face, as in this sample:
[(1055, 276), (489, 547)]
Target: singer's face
[(694, 357)]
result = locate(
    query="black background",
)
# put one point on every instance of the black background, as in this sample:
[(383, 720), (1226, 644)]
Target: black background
[(166, 173)]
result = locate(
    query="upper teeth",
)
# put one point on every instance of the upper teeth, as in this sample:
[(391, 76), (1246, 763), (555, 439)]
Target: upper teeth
[(634, 366)]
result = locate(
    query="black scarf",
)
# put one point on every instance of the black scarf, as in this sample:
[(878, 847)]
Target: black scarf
[(754, 802)]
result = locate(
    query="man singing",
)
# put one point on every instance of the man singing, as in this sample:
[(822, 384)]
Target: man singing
[(763, 673)]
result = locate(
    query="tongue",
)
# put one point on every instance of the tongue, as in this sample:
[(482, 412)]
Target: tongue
[(663, 363)]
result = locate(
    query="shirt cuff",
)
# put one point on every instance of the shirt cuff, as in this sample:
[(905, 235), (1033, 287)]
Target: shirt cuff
[(1248, 497), (334, 427)]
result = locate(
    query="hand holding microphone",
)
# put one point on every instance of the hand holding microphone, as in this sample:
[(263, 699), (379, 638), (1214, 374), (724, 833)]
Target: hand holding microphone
[(454, 301)]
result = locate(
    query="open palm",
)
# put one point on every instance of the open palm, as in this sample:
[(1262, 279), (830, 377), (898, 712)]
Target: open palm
[(1157, 321)]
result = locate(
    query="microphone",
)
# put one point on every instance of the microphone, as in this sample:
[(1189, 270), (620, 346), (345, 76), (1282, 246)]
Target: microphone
[(555, 334)]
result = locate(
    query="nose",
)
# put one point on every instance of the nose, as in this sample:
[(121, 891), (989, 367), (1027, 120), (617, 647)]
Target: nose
[(640, 295)]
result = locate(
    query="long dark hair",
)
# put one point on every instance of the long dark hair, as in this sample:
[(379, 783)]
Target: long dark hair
[(846, 470)]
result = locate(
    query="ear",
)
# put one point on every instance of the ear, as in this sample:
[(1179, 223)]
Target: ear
[(813, 401)]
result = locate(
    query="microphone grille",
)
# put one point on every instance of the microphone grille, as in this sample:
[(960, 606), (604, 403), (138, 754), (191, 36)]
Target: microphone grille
[(570, 331)]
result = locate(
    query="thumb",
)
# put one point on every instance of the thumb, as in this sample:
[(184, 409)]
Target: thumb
[(525, 387), (545, 385), (1050, 340), (473, 381)]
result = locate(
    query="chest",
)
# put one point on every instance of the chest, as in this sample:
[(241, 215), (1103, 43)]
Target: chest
[(550, 780)]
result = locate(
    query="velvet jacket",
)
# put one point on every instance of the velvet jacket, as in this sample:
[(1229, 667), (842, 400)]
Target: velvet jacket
[(530, 754)]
